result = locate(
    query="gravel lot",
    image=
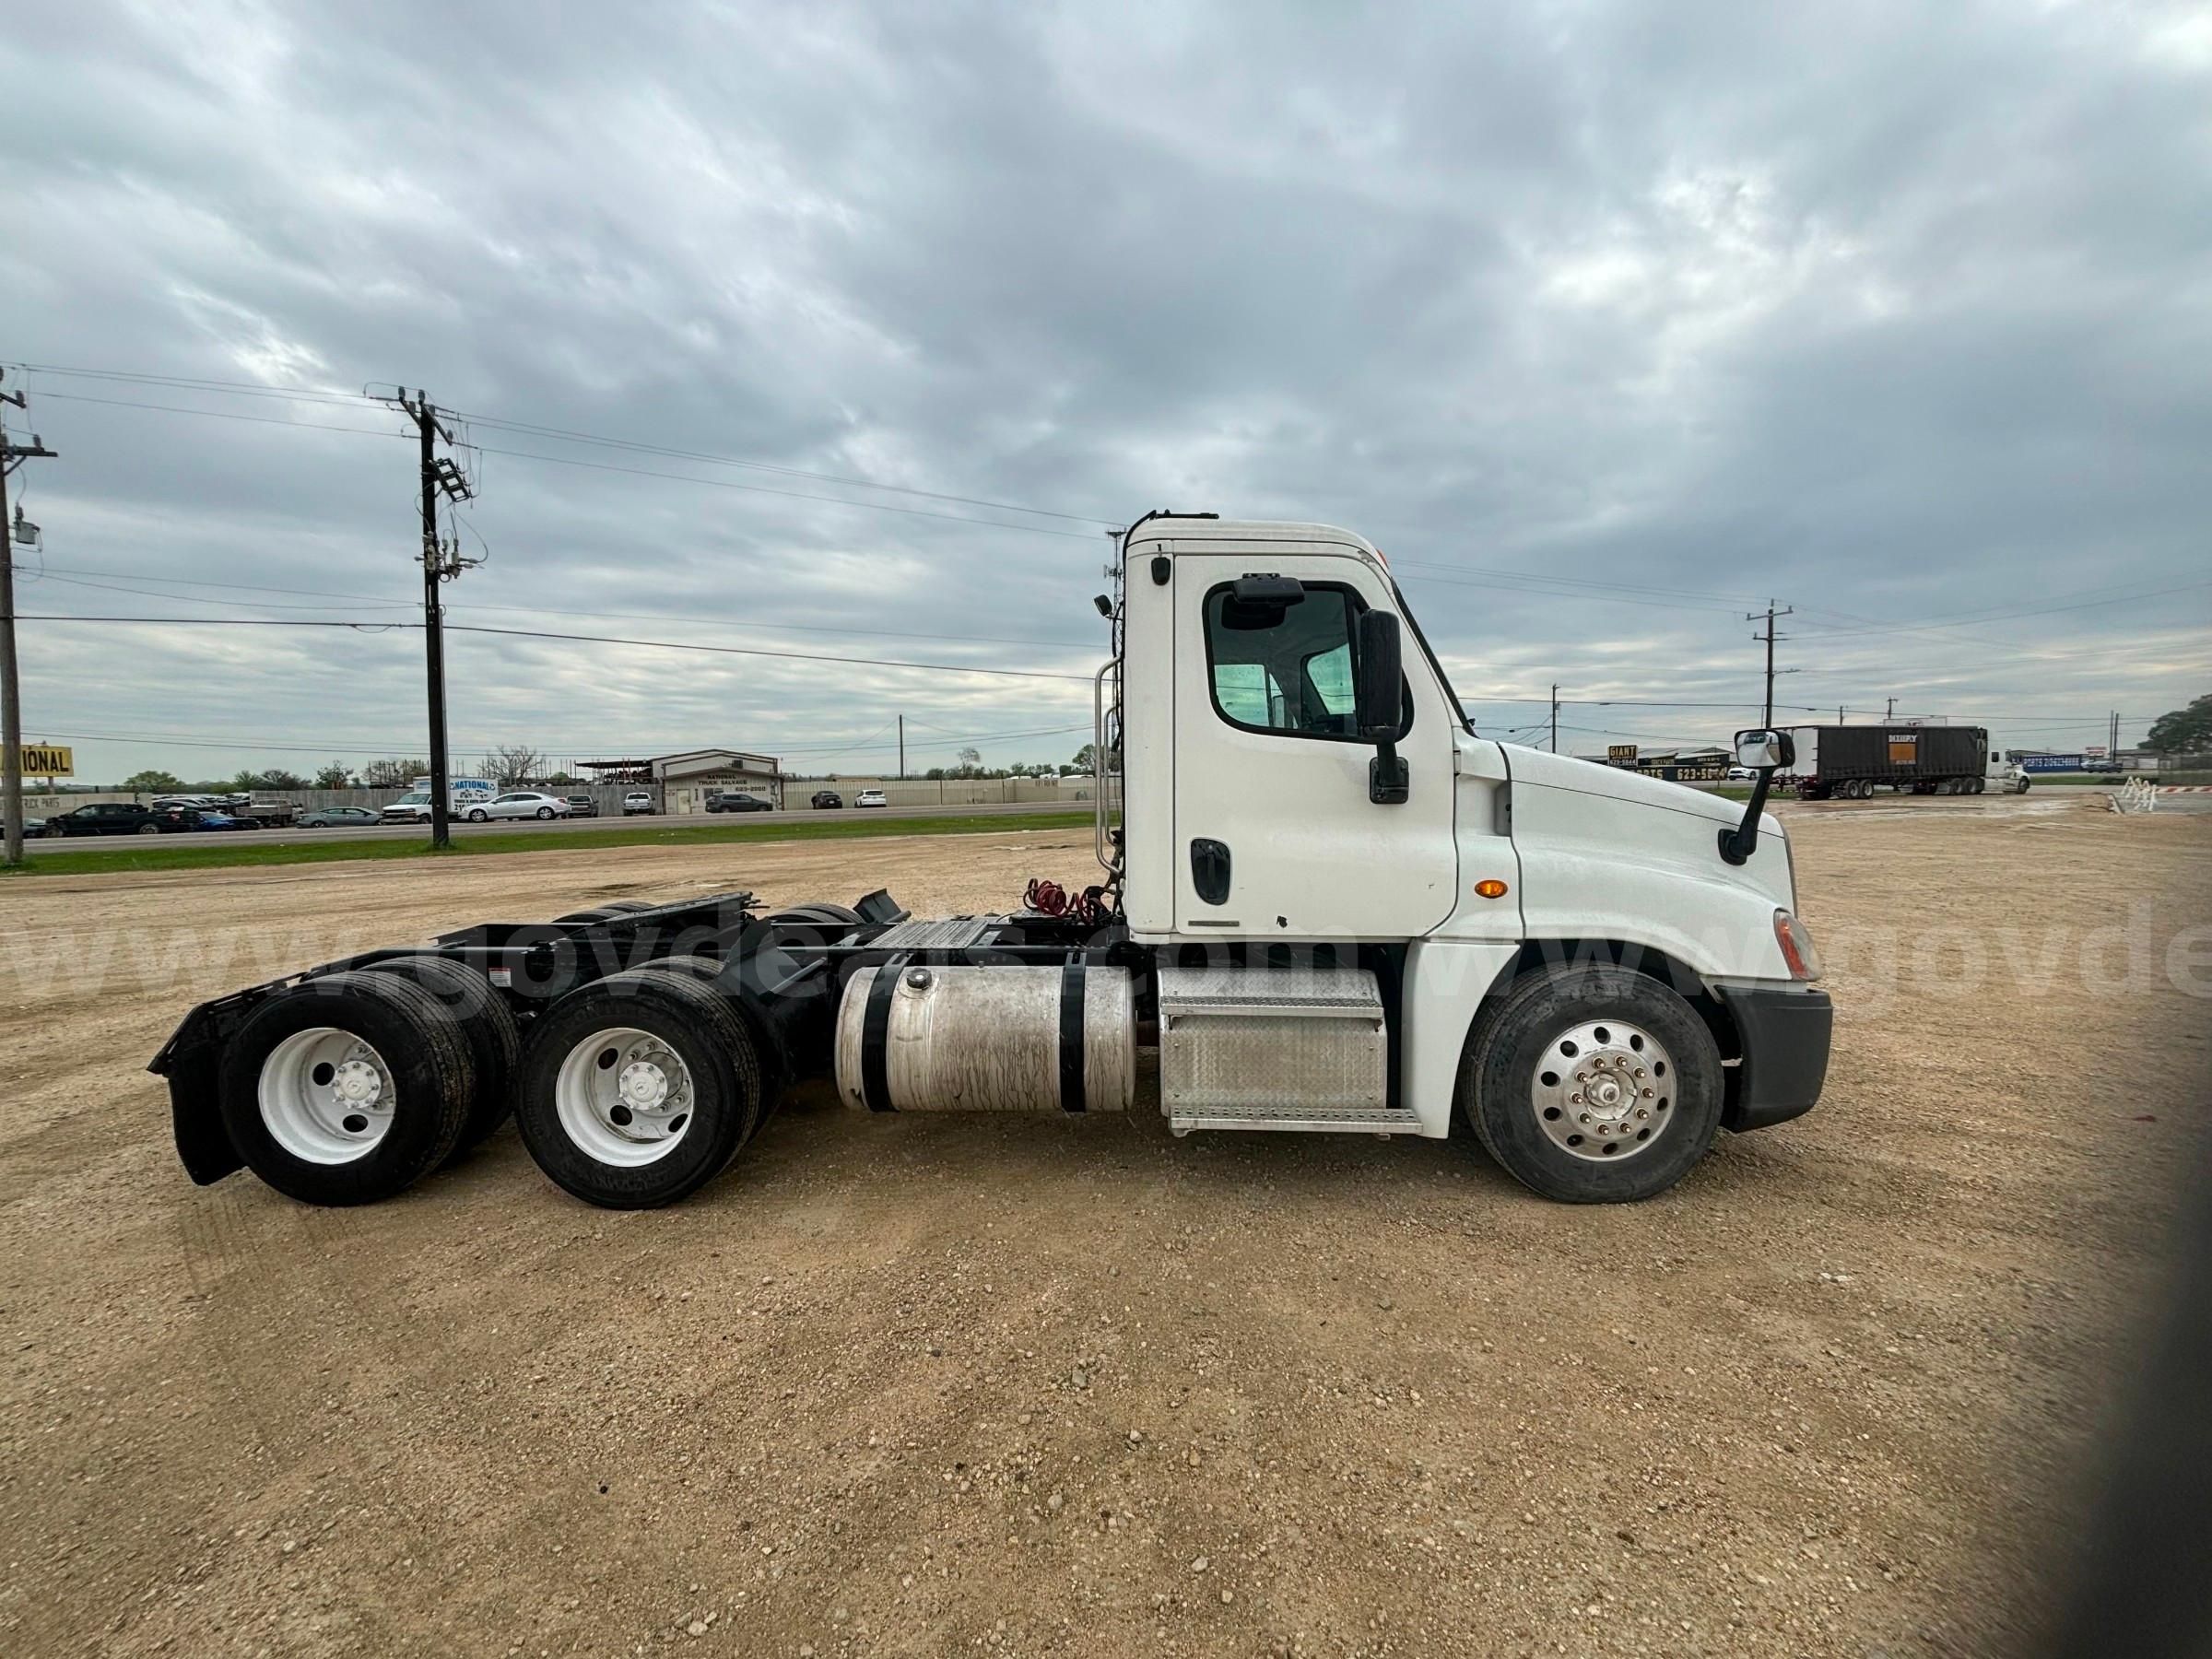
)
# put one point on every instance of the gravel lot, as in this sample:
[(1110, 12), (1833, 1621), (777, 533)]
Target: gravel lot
[(905, 1386)]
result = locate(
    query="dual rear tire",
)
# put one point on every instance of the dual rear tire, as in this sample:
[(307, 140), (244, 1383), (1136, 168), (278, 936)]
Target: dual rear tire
[(348, 1088), (638, 1088)]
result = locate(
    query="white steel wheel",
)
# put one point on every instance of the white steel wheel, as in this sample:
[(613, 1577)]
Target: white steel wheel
[(1605, 1091), (326, 1097), (624, 1097)]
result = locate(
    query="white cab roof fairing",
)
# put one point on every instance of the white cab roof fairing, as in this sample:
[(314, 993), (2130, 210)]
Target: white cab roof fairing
[(1203, 534)]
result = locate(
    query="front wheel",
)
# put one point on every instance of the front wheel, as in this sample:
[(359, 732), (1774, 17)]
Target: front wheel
[(477, 815), (149, 829), (1591, 1083)]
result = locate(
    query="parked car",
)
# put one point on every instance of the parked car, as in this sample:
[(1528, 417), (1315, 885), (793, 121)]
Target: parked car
[(1741, 774), (34, 826), (583, 806), (337, 817), (114, 817), (637, 801), (870, 798), (736, 800), (208, 818), (520, 804), (828, 800)]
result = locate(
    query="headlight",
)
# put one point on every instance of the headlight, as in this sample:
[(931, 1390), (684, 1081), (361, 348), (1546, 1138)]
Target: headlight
[(1796, 942)]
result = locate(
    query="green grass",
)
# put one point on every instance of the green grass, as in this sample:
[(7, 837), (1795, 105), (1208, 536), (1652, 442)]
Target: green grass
[(249, 851)]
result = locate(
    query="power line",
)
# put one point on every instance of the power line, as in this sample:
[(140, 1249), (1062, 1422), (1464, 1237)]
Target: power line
[(320, 426), (531, 633), (499, 423), (796, 495), (635, 446), (534, 610)]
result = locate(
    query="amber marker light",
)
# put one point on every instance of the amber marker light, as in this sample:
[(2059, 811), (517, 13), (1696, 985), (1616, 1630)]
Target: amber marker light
[(1492, 889)]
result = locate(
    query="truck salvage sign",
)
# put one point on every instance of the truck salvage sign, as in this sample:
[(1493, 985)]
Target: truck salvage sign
[(47, 760)]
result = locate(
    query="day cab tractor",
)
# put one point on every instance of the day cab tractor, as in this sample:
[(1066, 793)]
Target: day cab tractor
[(1327, 904)]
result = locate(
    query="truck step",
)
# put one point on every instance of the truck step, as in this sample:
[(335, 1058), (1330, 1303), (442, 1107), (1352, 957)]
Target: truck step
[(1294, 1047)]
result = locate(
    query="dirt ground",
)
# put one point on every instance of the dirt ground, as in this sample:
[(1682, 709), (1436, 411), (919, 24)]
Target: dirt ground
[(902, 1386)]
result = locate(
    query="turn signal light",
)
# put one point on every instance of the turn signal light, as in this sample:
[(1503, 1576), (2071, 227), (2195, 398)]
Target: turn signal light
[(1491, 888), (1796, 942)]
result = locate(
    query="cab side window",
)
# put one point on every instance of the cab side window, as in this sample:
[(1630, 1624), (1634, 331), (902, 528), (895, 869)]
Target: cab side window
[(1287, 668)]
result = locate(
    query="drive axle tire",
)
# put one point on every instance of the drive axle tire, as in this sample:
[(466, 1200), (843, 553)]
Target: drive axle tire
[(346, 1088), (1591, 1083), (638, 1088), (495, 1038)]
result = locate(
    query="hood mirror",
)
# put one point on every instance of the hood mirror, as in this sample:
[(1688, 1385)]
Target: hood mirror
[(1763, 751)]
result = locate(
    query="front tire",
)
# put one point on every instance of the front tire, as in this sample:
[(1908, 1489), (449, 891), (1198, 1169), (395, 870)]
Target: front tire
[(478, 816), (638, 1088), (1591, 1083)]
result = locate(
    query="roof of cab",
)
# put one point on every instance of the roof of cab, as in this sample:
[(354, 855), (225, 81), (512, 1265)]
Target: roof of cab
[(1188, 533)]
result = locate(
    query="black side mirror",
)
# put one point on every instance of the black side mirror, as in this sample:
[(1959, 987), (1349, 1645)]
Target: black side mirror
[(1764, 752), (1378, 707), (1376, 694)]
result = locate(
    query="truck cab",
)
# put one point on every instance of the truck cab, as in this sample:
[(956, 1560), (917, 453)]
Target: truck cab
[(1327, 904), (1255, 826)]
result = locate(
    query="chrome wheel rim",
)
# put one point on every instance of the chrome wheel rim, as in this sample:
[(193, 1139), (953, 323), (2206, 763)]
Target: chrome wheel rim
[(325, 1096), (624, 1097), (1603, 1090)]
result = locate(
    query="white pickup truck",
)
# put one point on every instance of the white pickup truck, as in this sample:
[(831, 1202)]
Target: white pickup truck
[(1325, 904)]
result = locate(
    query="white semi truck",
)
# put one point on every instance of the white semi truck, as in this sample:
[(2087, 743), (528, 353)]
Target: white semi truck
[(1327, 904)]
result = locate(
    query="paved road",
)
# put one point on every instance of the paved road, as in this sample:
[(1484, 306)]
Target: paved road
[(123, 843)]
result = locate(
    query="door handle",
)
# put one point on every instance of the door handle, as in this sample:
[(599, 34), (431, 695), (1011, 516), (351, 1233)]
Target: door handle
[(1210, 870)]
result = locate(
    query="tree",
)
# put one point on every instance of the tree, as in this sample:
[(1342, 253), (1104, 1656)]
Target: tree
[(513, 763), (333, 776), (154, 781), (968, 757), (393, 773), (1086, 759), (2183, 731)]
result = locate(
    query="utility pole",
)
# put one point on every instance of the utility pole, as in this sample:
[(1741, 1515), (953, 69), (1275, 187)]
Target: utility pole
[(2113, 749), (441, 479), (1555, 717), (12, 456), (1890, 713), (902, 747), (1768, 636)]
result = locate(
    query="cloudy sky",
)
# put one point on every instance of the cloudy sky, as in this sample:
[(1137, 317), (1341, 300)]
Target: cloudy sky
[(1607, 322)]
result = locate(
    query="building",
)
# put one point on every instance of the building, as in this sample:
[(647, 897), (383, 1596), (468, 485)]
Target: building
[(683, 780)]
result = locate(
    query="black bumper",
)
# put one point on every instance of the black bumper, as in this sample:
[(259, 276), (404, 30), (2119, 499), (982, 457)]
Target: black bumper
[(1784, 1035)]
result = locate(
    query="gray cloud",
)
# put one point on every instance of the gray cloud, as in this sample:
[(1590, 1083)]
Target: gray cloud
[(1892, 315)]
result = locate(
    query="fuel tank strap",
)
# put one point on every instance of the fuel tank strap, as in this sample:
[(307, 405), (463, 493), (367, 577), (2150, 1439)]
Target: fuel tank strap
[(1071, 1035), (874, 1032)]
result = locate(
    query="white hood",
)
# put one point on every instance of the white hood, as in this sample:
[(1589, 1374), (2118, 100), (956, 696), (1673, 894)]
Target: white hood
[(1616, 783)]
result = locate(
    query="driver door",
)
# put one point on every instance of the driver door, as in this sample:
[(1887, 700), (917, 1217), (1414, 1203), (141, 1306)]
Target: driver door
[(1274, 834)]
